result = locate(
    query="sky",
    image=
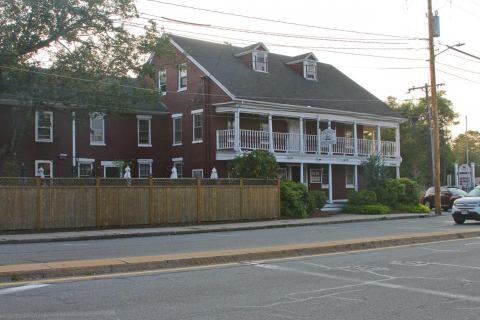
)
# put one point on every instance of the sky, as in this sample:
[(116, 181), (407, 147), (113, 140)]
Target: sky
[(380, 44)]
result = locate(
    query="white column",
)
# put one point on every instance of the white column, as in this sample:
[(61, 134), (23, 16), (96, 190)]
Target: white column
[(472, 165), (397, 141), (330, 184), (355, 176), (355, 142), (319, 145), (456, 174), (397, 172), (379, 139), (270, 133), (74, 141), (302, 149), (301, 172), (237, 130), (330, 151)]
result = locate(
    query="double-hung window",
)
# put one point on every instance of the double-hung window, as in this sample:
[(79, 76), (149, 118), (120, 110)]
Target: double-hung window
[(310, 70), (315, 175), (197, 123), (197, 173), (144, 168), (162, 81), (85, 168), (144, 131), (260, 61), (177, 129), (97, 129), (44, 168), (43, 126), (182, 77), (178, 164)]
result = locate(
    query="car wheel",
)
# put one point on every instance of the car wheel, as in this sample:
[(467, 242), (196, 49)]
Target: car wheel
[(459, 220), (428, 204)]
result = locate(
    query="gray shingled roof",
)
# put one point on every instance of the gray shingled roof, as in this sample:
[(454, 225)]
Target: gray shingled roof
[(333, 90)]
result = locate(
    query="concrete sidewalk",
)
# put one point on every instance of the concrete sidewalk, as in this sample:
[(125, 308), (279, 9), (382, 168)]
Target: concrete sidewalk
[(15, 238)]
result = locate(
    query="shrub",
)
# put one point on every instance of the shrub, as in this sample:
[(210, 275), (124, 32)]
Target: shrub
[(367, 209), (411, 191), (317, 199), (412, 208), (375, 172), (362, 197), (258, 164), (294, 200), (389, 192)]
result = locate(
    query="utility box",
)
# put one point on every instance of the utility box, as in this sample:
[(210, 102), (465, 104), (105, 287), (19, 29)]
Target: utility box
[(436, 26)]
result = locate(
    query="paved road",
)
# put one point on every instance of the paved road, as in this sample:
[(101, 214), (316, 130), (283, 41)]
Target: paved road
[(433, 281), (96, 249)]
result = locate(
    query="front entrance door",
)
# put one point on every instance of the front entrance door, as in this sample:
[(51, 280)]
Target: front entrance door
[(295, 173)]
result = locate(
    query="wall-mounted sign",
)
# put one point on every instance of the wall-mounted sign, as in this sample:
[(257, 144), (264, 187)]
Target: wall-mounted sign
[(328, 136)]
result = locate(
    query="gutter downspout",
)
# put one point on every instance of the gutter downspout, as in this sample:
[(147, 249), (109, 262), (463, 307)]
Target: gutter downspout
[(74, 144)]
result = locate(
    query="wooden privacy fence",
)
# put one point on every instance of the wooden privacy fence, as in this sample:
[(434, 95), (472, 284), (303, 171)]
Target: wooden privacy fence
[(36, 204)]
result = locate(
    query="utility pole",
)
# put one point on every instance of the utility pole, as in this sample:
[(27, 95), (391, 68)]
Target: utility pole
[(433, 86), (466, 137), (425, 88)]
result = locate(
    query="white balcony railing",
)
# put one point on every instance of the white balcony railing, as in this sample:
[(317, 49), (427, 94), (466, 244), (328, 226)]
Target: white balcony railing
[(291, 143)]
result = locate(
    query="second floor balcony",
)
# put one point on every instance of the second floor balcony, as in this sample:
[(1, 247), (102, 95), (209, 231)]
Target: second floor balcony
[(302, 144)]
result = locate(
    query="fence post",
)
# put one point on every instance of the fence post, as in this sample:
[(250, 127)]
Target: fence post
[(241, 198), (39, 203), (151, 212), (199, 201), (279, 199), (97, 202)]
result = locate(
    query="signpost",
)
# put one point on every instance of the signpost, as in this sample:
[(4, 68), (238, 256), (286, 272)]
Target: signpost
[(465, 176)]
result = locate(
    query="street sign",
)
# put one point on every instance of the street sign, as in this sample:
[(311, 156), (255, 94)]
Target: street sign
[(464, 176), (328, 136)]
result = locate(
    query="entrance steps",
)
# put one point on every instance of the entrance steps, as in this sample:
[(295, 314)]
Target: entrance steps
[(334, 207)]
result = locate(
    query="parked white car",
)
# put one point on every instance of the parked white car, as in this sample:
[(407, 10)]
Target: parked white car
[(468, 207)]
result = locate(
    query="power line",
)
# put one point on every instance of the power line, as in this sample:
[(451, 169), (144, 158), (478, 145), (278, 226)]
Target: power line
[(457, 76), (281, 21), (458, 68)]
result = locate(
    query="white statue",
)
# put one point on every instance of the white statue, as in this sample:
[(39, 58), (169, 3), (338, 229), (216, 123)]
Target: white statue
[(174, 174), (127, 174), (214, 174)]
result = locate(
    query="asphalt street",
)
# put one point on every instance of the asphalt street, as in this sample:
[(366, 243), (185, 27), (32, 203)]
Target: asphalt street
[(430, 281), (111, 248)]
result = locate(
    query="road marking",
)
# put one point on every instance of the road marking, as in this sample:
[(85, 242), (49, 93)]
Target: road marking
[(382, 284), (23, 288)]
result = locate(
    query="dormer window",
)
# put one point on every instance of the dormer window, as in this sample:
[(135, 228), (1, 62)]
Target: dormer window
[(260, 61), (310, 70)]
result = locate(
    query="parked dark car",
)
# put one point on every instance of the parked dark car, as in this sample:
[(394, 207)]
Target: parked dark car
[(447, 196)]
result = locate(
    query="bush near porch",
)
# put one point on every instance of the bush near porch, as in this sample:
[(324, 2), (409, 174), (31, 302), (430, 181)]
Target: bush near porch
[(390, 194), (297, 201)]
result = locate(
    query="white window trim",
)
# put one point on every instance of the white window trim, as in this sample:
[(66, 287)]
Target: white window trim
[(149, 118), (36, 126), (196, 112), (178, 160), (197, 170), (254, 54), (182, 66), (164, 70), (350, 185), (305, 63), (311, 180), (97, 143), (84, 161), (144, 161), (110, 164), (174, 117), (38, 162)]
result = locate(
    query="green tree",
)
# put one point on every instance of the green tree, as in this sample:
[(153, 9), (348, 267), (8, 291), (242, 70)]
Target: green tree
[(77, 53), (258, 164), (472, 138), (415, 138), (374, 172)]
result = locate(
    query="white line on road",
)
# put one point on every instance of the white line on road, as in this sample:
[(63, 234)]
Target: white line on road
[(376, 283), (23, 288)]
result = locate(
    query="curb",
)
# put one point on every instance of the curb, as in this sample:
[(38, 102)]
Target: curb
[(196, 230), (35, 271)]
